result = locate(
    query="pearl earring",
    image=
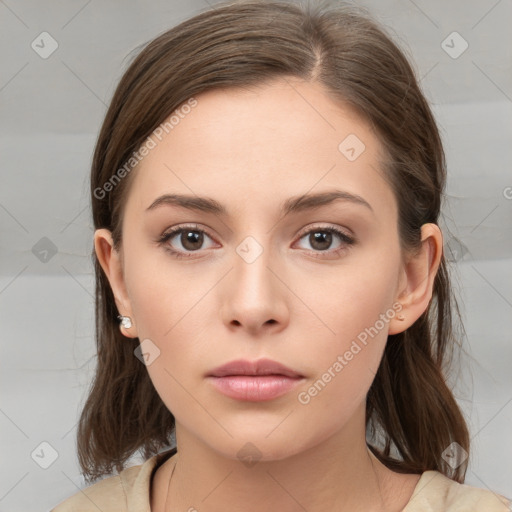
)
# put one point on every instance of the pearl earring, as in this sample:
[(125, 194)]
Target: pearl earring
[(126, 321)]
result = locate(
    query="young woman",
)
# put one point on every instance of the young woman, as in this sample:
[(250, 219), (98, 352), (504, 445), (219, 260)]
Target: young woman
[(266, 189)]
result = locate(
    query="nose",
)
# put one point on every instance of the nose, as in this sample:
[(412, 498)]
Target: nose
[(254, 297)]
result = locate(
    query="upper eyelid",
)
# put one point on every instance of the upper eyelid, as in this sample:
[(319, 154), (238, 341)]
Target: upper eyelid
[(327, 227), (192, 227)]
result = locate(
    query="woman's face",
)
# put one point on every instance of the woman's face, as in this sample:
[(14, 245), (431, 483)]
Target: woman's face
[(266, 278)]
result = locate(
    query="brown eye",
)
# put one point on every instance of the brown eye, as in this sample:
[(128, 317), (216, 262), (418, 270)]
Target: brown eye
[(182, 241), (191, 240), (321, 240)]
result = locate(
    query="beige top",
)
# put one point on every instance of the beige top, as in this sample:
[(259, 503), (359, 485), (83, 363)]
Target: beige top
[(130, 492)]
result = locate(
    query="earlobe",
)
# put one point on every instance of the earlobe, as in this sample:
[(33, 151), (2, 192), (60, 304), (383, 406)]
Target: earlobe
[(419, 272), (110, 261)]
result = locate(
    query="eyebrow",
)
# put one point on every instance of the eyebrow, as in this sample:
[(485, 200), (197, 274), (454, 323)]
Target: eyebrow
[(292, 205)]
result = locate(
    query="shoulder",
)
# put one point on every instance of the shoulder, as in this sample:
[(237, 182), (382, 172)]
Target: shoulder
[(435, 491), (129, 490), (107, 495)]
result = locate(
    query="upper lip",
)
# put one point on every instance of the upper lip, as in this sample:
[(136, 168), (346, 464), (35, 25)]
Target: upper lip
[(258, 367)]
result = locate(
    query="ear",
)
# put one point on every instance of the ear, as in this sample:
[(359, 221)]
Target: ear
[(111, 263), (417, 278)]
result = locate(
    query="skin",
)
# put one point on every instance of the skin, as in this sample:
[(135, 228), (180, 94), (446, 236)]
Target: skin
[(250, 150)]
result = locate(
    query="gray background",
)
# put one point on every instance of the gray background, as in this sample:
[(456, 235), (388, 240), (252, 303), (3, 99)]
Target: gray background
[(51, 111)]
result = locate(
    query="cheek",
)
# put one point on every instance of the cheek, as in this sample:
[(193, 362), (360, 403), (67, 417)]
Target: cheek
[(353, 309), (159, 295), (343, 366), (164, 307), (168, 306), (342, 302)]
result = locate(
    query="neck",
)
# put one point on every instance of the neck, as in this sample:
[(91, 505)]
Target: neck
[(339, 474)]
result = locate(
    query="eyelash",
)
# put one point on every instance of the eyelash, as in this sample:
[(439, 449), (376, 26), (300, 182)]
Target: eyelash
[(345, 239)]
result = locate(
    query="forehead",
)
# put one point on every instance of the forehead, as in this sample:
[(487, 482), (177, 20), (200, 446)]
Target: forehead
[(273, 140)]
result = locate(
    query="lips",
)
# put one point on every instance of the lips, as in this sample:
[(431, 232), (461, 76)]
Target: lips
[(254, 381), (254, 368)]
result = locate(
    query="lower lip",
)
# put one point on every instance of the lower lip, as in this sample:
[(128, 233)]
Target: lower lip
[(254, 389)]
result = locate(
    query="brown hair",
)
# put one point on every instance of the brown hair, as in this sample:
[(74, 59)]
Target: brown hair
[(239, 44)]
